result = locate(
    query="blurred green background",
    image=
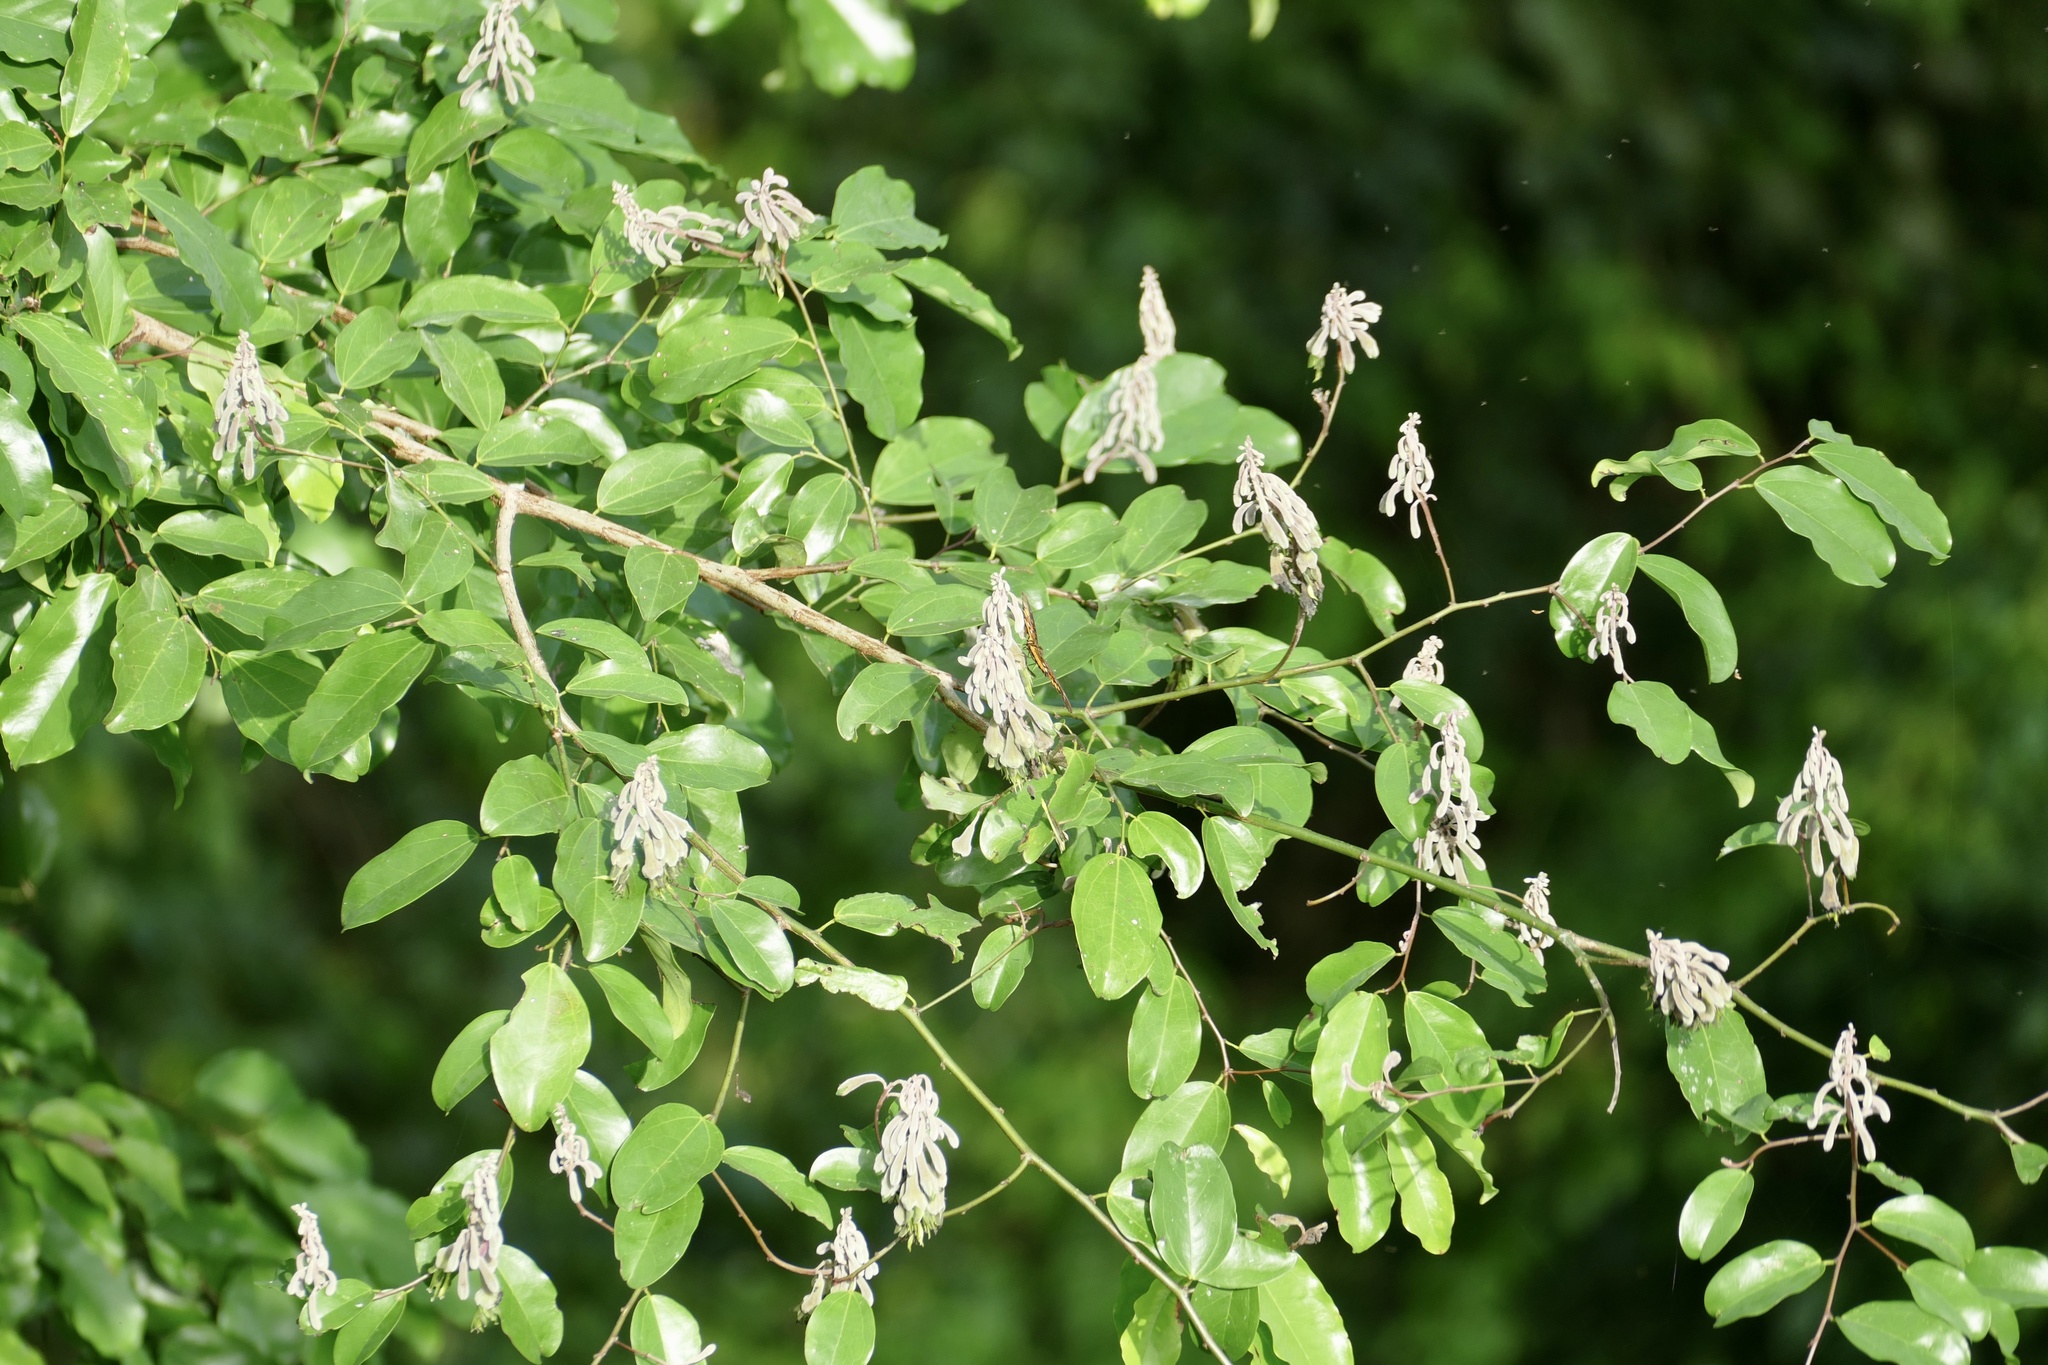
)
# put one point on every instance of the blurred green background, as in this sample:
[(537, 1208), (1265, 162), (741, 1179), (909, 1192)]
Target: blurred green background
[(1589, 222)]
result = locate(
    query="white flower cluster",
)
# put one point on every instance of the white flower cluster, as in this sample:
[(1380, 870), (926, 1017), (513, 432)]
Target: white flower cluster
[(1346, 316), (642, 820), (911, 1163), (1021, 736), (1135, 430), (1686, 981), (1536, 900), (849, 1270), (246, 403), (312, 1271), (476, 1248), (1610, 623), (1850, 1096), (770, 209), (571, 1156), (1412, 475), (503, 54), (1814, 818), (1426, 666), (1288, 525), (652, 233), (1450, 842)]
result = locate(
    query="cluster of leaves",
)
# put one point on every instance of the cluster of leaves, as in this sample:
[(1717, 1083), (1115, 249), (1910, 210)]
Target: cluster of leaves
[(125, 1228), (496, 402)]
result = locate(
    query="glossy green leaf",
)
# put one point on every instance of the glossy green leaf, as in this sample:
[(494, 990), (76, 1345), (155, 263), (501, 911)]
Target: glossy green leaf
[(83, 368), (291, 217), (1675, 462), (1904, 1334), (1504, 961), (757, 944), (159, 663), (648, 1245), (707, 354), (534, 1056), (1717, 1065), (373, 348), (819, 513), (1703, 608), (1267, 1156), (453, 125), (2014, 1275), (606, 918), (671, 1149), (1196, 1115), (469, 374), (525, 796), (1947, 1293), (1350, 1055), (1925, 1221), (1116, 923), (660, 582), (1361, 1187), (369, 678), (1602, 563), (884, 369), (439, 213), (783, 1180), (882, 696), (1155, 834), (231, 274), (635, 1006), (1895, 494), (1760, 1279), (60, 678), (714, 758), (881, 913), (940, 282), (1165, 1039), (1304, 1322), (362, 1334), (24, 461), (364, 259), (327, 613), (266, 124), (1713, 1212), (98, 64), (1426, 1207), (872, 207), (528, 1313), (1339, 974), (999, 965), (221, 534), (1367, 579), (1447, 1038), (1194, 1210), (842, 1328), (467, 1059), (1845, 533), (665, 1330)]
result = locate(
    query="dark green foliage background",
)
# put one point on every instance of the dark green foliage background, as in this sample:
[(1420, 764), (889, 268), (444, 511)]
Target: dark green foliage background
[(1589, 221)]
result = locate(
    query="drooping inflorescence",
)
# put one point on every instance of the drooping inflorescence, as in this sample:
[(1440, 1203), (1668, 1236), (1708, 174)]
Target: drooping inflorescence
[(1610, 623), (1536, 900), (1686, 981), (1135, 430), (1412, 476), (1450, 841), (770, 209), (911, 1163), (1292, 537), (1814, 818), (312, 1270), (643, 823), (502, 59), (476, 1248), (1346, 316), (1021, 736), (1850, 1097), (849, 1269), (245, 405), (571, 1156), (653, 233), (1427, 666)]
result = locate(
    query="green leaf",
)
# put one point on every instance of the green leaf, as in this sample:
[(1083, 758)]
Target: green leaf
[(938, 461), (635, 1006), (1267, 1156), (845, 43), (529, 1315), (486, 298), (1155, 834), (757, 944), (1196, 1115), (842, 1329), (941, 282), (872, 207), (882, 914), (1925, 1221), (534, 1056), (1235, 857), (1426, 1207), (1845, 533), (1895, 494), (1194, 1210), (659, 581), (373, 348), (1602, 563), (517, 889), (1116, 923), (783, 1180), (706, 354), (1505, 962), (98, 1298), (98, 65), (820, 512), (1947, 1293), (24, 459), (1165, 1039), (450, 129), (363, 1333), (159, 664), (1007, 516), (999, 965), (439, 213), (1159, 524), (656, 478), (410, 868), (231, 274), (2014, 1275), (364, 259), (1306, 1327), (714, 758), (606, 920), (665, 1330), (264, 124), (942, 609), (1341, 973), (1362, 575), (884, 369), (103, 294), (1671, 729), (882, 696), (1717, 1066), (468, 374), (1351, 1054), (1903, 1333), (369, 678), (328, 612), (878, 990), (1444, 1036), (648, 1245), (84, 369), (525, 796), (1760, 1279), (24, 146), (1703, 608), (1713, 1213), (2028, 1161), (59, 678), (467, 1060), (291, 217), (1674, 463), (1361, 1186), (671, 1149), (220, 534)]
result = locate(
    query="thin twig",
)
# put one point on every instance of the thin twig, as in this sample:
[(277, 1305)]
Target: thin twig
[(509, 501), (732, 1059), (617, 1327), (762, 1242), (1222, 1047), (1827, 1309)]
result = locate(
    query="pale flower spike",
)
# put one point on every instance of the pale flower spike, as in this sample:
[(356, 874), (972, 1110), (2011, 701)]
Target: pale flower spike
[(1849, 1096), (1021, 736), (911, 1163), (312, 1271), (770, 209), (571, 1156), (476, 1248), (642, 820), (246, 403), (1135, 430), (1686, 981), (1610, 623), (1412, 475), (1814, 818), (1450, 842), (652, 233), (849, 1270), (1426, 666), (1536, 900), (503, 53), (1292, 537), (1346, 316)]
